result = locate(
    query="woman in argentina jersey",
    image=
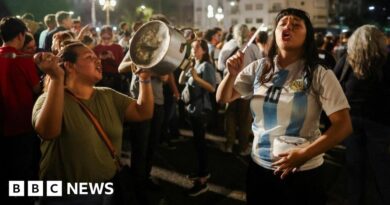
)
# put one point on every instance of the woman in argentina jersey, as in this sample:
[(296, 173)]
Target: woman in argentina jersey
[(288, 90)]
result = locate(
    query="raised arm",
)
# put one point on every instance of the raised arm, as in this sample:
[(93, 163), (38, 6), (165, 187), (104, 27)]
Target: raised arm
[(84, 31), (126, 65), (49, 119), (143, 108), (226, 92)]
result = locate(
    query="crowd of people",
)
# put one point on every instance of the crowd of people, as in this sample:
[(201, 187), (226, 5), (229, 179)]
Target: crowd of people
[(278, 91)]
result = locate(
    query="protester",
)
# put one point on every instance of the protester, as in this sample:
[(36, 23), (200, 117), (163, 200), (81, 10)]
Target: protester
[(19, 83), (238, 116), (29, 45), (72, 149), (325, 57), (341, 49), (111, 55), (64, 22), (59, 40), (288, 89), (262, 42), (146, 136), (50, 22), (365, 76), (76, 26), (200, 81)]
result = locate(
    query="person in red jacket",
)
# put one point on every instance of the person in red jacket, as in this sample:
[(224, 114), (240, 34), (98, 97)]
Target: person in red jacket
[(111, 55), (19, 82)]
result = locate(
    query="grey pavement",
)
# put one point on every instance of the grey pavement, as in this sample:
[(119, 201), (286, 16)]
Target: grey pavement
[(228, 174)]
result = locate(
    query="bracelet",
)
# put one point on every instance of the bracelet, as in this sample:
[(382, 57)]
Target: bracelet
[(145, 81)]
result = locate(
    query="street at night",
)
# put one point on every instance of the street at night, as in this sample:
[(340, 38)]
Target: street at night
[(195, 102)]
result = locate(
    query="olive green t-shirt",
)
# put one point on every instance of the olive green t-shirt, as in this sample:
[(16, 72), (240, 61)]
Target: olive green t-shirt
[(79, 154)]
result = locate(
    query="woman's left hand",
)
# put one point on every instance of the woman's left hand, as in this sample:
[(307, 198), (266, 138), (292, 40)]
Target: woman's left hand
[(289, 162)]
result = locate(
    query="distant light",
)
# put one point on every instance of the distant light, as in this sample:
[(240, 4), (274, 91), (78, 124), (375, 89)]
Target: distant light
[(344, 30), (71, 12), (113, 3), (263, 27), (97, 29), (18, 16), (102, 2), (232, 3), (143, 7), (219, 16), (388, 18), (371, 8), (115, 28), (210, 11)]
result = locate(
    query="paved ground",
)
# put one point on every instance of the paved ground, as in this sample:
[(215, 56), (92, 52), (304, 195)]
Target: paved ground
[(227, 183)]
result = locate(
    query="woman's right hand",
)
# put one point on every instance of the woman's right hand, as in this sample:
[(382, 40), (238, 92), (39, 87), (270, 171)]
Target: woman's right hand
[(234, 64), (48, 63), (143, 74)]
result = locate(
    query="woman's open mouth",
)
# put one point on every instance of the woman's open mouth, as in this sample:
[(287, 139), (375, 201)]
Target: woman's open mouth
[(286, 35), (99, 68)]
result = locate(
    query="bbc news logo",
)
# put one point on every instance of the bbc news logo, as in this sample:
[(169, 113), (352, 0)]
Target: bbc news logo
[(56, 189)]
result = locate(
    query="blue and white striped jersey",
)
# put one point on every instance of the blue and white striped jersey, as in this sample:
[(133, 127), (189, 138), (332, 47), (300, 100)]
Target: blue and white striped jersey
[(282, 107)]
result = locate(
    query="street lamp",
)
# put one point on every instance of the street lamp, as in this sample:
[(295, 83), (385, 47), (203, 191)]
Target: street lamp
[(210, 11), (210, 14), (219, 15), (108, 5)]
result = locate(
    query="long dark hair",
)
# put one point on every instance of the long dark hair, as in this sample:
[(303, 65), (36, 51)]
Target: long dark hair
[(310, 54), (205, 48)]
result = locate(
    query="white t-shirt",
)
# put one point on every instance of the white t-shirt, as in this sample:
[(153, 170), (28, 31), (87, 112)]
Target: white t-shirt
[(282, 108), (252, 53)]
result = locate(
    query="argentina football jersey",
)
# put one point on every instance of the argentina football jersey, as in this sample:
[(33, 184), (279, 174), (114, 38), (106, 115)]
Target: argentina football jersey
[(283, 107)]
